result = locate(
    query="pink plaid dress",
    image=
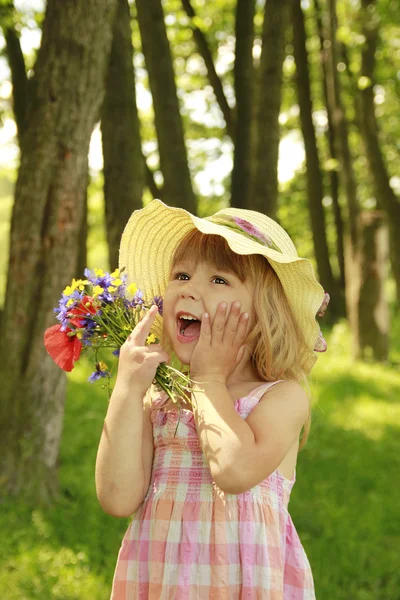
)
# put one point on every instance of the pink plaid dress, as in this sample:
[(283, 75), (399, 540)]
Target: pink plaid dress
[(191, 541)]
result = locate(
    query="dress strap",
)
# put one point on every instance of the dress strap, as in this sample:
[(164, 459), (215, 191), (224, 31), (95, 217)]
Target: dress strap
[(260, 390)]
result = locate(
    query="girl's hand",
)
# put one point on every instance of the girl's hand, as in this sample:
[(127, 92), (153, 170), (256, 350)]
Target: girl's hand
[(138, 363), (220, 346)]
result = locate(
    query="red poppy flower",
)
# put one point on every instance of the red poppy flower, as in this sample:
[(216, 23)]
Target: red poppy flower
[(85, 307), (63, 349)]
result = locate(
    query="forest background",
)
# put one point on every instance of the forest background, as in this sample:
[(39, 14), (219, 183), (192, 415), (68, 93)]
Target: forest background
[(286, 107)]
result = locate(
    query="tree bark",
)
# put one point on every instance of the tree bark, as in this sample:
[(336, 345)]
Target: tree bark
[(368, 309), (265, 194), (177, 187), (314, 175), (216, 83), (340, 126), (16, 62), (384, 194), (333, 173), (124, 174), (67, 92), (244, 85)]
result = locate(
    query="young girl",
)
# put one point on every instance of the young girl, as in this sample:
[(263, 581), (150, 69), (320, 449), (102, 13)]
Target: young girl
[(211, 502)]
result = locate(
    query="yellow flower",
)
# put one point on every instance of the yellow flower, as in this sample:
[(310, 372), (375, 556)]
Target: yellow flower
[(132, 289), (97, 290), (115, 273), (111, 289), (117, 282), (151, 339), (80, 284), (79, 335), (70, 302), (99, 272), (102, 366)]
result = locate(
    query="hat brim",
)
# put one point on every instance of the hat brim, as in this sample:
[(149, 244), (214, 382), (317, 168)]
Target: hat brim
[(153, 233)]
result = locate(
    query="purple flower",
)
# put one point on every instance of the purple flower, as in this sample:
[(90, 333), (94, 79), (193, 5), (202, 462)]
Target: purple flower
[(138, 299), (98, 374), (116, 352), (158, 301)]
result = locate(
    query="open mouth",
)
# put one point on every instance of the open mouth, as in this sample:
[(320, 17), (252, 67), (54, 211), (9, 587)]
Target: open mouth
[(188, 328)]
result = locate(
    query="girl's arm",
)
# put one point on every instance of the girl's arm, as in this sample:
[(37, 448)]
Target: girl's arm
[(243, 452), (123, 461), (120, 476)]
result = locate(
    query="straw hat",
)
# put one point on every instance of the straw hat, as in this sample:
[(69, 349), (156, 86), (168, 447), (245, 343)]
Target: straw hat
[(153, 233)]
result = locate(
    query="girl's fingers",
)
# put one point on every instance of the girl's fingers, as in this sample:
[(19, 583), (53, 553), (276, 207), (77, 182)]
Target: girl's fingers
[(218, 325), (205, 328), (140, 333), (241, 330), (232, 323)]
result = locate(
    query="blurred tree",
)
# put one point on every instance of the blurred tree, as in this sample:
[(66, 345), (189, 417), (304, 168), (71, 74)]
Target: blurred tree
[(205, 52), (124, 164), (177, 189), (314, 174), (244, 87), (370, 319), (16, 61), (67, 91), (332, 161), (384, 194), (268, 103), (343, 149)]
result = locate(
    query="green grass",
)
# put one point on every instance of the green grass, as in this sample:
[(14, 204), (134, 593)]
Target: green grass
[(345, 504)]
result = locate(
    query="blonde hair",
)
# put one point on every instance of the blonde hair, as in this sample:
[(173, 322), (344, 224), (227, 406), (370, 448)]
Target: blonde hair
[(277, 337)]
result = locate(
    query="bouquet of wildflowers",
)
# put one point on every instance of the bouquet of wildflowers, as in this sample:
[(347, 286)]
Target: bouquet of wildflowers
[(95, 314)]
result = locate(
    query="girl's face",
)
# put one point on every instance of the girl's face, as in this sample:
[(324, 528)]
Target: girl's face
[(193, 289)]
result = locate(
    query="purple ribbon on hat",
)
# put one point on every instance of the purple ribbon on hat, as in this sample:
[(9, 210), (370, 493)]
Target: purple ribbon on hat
[(321, 345), (248, 229)]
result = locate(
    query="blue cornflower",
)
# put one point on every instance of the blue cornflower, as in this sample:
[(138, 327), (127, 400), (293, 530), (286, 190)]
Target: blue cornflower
[(158, 301), (138, 299), (99, 372)]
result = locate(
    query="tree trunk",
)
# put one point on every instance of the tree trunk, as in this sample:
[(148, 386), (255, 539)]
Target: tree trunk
[(340, 126), (384, 194), (265, 194), (177, 187), (314, 175), (81, 262), (333, 173), (19, 79), (244, 84), (205, 53), (368, 311), (67, 93), (124, 175)]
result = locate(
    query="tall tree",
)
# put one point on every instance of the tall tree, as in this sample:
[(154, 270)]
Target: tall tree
[(340, 124), (124, 166), (244, 85), (386, 198), (215, 81), (67, 92), (15, 57), (177, 188), (314, 175), (265, 190), (332, 145)]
